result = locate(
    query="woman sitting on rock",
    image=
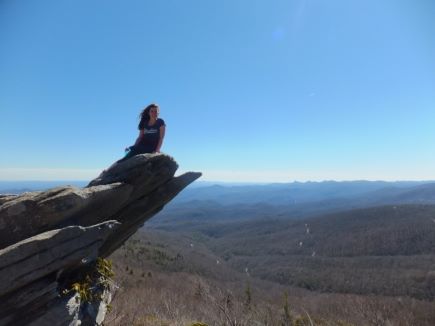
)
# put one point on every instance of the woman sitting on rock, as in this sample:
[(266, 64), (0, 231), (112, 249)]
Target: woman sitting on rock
[(151, 133)]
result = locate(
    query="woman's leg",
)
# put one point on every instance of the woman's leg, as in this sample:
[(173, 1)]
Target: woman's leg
[(133, 151)]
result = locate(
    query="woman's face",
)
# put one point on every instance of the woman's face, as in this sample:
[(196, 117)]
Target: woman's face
[(154, 112)]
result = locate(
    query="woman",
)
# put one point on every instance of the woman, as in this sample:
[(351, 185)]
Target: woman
[(151, 133)]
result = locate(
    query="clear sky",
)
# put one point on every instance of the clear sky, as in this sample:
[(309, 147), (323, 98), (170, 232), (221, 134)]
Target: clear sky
[(250, 90)]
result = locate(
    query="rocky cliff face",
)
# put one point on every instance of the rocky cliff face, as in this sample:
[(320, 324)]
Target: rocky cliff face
[(52, 242)]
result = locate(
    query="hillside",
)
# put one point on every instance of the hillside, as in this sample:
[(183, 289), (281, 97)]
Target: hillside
[(170, 278), (376, 231), (387, 250)]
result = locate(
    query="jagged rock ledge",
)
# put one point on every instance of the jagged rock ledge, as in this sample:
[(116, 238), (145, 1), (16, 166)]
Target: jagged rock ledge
[(46, 238)]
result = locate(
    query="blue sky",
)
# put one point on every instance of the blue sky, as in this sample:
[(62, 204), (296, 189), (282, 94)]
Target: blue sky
[(250, 90)]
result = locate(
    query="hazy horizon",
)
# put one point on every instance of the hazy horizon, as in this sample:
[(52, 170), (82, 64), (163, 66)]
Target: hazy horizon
[(231, 176), (3, 183)]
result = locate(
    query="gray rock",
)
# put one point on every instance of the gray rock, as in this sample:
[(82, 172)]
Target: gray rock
[(36, 212), (50, 237), (42, 254), (6, 197)]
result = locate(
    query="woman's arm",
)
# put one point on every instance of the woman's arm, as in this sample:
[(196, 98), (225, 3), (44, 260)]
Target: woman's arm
[(162, 135), (141, 133)]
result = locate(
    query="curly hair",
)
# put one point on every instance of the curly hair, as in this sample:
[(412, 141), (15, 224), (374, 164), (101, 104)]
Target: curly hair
[(144, 116)]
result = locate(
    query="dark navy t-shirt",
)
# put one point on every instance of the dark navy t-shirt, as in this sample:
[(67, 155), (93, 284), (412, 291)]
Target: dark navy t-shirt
[(151, 134)]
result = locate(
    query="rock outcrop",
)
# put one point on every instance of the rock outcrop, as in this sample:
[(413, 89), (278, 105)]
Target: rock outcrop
[(52, 242)]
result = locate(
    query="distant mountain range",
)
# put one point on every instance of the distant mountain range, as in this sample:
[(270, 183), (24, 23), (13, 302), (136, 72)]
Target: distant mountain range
[(205, 201), (297, 192), (289, 201), (274, 193), (18, 187)]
